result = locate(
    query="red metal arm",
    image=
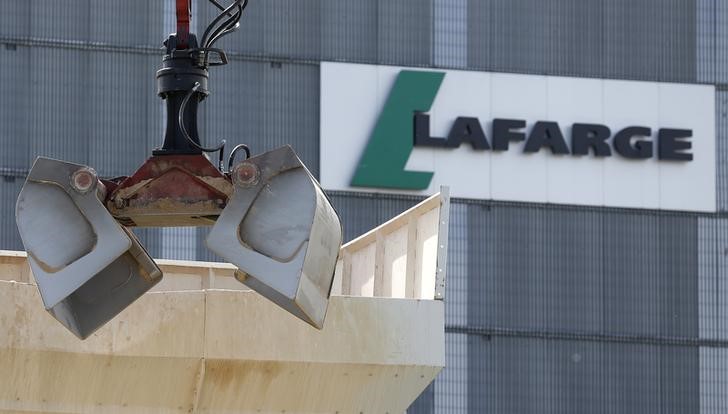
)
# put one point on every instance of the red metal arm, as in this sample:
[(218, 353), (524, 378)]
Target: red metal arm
[(184, 16)]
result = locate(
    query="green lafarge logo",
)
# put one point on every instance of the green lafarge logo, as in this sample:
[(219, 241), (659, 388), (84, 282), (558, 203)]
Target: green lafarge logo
[(391, 143)]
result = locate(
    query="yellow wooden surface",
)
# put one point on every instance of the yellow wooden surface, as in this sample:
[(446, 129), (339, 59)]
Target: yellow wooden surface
[(188, 349)]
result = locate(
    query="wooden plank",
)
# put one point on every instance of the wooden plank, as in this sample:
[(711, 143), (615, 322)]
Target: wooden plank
[(379, 265), (14, 266), (394, 224), (362, 271), (426, 262), (197, 350), (395, 264), (346, 274), (411, 273)]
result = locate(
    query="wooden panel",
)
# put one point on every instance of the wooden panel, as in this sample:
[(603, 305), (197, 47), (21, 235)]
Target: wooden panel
[(246, 326), (219, 351), (362, 271), (426, 254), (14, 266), (405, 251), (395, 263)]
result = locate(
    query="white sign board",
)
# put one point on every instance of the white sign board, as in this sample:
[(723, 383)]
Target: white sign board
[(664, 158)]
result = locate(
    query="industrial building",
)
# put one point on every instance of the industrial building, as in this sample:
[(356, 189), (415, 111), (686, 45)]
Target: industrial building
[(587, 269)]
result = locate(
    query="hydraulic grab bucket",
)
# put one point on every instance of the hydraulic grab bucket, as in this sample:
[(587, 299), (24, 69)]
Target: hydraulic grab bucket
[(271, 218), (87, 266), (281, 231)]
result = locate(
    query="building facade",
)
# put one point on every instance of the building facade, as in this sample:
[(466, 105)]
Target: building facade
[(551, 307)]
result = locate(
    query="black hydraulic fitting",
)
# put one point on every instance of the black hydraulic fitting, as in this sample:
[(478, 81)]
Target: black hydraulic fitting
[(180, 76)]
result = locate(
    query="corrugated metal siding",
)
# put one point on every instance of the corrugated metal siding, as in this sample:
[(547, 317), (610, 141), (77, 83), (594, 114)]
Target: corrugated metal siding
[(391, 31), (713, 284), (451, 386), (574, 270), (706, 40), (9, 236), (713, 380), (450, 27), (652, 39), (721, 148), (16, 112), (518, 375), (720, 49), (265, 105)]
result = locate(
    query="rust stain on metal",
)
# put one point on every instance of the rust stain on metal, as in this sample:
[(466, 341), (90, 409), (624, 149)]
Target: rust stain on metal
[(189, 189), (219, 183)]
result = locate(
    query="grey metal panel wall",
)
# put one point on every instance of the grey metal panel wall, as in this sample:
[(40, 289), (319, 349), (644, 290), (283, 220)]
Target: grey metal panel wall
[(405, 32), (652, 40), (283, 28), (706, 40), (713, 380), (572, 272), (265, 106), (121, 112), (59, 126), (132, 22), (450, 33), (713, 282), (153, 242), (632, 274), (15, 18), (425, 403), (582, 270), (527, 375), (100, 110), (457, 283), (451, 386), (505, 253), (712, 41), (377, 31), (9, 236), (721, 41), (721, 148), (350, 32), (16, 112), (362, 212)]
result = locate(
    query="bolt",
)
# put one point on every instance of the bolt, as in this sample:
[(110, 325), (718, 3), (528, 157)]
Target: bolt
[(246, 174), (84, 180)]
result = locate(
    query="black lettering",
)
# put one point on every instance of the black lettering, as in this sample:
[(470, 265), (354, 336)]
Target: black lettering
[(641, 149), (467, 130), (503, 133), (422, 133), (546, 134), (672, 143), (585, 136)]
